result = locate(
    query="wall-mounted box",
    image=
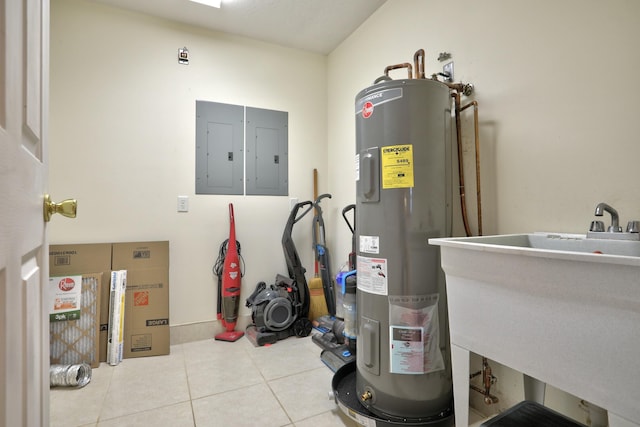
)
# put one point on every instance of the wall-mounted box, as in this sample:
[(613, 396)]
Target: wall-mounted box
[(267, 152), (228, 137), (219, 148)]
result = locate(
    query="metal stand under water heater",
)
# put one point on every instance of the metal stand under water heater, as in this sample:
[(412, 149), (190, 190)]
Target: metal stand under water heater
[(403, 190)]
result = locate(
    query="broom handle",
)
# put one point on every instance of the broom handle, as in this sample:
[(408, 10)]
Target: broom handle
[(232, 226), (315, 196)]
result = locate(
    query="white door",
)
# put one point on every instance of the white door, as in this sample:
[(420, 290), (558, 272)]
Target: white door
[(24, 330)]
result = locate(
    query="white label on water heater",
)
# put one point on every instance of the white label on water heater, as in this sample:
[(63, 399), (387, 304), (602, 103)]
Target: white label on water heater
[(407, 350), (372, 275), (357, 167), (370, 244)]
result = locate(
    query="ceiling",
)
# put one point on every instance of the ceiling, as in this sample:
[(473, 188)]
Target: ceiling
[(314, 25)]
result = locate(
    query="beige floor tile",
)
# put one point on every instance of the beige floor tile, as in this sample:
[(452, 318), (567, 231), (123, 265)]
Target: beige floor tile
[(70, 406), (333, 418), (246, 407), (304, 394), (286, 357), (221, 374), (136, 391), (476, 418), (213, 351), (151, 364), (179, 415)]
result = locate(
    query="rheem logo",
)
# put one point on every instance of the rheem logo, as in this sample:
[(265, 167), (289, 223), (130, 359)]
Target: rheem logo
[(367, 109), (66, 284)]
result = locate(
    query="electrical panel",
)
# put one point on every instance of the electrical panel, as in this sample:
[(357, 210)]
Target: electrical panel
[(267, 152), (222, 133), (219, 148)]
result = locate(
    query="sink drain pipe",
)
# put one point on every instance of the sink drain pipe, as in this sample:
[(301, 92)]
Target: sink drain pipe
[(69, 375)]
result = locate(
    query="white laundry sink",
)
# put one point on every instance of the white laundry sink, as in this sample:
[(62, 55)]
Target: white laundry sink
[(560, 308), (557, 242)]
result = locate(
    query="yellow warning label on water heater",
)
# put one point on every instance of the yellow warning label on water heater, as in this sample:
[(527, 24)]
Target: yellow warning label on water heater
[(397, 166)]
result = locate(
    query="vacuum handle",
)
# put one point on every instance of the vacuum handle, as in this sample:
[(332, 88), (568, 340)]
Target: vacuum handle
[(318, 222), (344, 215), (352, 255), (232, 226), (316, 203), (297, 207)]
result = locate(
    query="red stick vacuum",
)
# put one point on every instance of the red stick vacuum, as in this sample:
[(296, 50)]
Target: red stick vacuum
[(231, 283)]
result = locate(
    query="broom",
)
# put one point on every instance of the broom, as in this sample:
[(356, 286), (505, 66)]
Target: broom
[(318, 305)]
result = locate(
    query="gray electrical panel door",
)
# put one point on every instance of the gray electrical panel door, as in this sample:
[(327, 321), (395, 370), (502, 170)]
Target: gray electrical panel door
[(219, 148), (267, 152)]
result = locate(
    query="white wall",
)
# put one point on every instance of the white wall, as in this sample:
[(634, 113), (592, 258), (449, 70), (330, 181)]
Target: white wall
[(557, 84), (123, 141)]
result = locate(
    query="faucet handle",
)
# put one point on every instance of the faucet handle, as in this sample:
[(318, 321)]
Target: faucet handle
[(597, 226), (633, 226)]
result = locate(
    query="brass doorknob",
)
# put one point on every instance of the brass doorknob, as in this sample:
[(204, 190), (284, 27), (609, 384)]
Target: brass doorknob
[(66, 208)]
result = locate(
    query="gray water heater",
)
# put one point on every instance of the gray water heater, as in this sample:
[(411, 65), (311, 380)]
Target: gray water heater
[(403, 162)]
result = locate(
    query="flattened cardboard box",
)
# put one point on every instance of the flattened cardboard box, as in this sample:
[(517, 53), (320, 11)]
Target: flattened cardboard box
[(86, 258), (146, 320)]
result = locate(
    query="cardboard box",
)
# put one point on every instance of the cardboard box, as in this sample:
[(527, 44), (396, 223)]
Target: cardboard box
[(86, 259), (146, 320)]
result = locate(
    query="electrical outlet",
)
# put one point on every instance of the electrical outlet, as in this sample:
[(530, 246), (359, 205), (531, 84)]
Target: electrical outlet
[(183, 203)]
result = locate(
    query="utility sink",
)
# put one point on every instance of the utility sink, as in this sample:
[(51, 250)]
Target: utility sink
[(550, 243), (561, 308)]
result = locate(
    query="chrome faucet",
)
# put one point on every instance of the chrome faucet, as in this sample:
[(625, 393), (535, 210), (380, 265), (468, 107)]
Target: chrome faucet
[(615, 226), (614, 232)]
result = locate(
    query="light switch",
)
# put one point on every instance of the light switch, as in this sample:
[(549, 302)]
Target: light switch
[(183, 203)]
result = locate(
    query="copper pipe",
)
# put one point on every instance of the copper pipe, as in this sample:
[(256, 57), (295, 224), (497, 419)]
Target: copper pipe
[(487, 379), (418, 64), (464, 88), (395, 67), (455, 86), (486, 374), (488, 398), (476, 130), (463, 204)]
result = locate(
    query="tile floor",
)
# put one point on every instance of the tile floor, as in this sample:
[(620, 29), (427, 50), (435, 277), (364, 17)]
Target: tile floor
[(207, 383)]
